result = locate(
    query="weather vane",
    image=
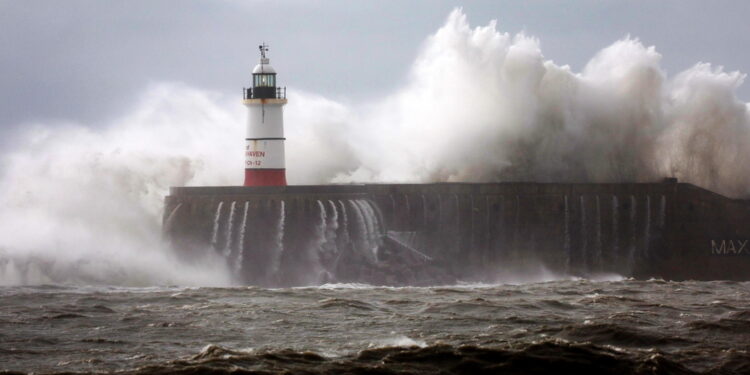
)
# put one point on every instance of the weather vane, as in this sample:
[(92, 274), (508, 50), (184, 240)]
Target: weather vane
[(263, 49)]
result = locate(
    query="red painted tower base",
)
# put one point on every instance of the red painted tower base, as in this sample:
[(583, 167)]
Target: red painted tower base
[(265, 177)]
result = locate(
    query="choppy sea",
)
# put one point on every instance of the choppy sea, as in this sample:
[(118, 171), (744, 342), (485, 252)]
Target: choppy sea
[(620, 326)]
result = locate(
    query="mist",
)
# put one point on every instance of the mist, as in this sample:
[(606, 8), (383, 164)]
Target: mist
[(84, 206), (82, 203), (485, 106)]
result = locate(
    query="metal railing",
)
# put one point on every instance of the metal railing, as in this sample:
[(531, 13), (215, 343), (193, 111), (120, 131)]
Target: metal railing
[(281, 92), (261, 93)]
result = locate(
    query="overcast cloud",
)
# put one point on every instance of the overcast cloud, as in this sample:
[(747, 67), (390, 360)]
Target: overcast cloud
[(86, 61)]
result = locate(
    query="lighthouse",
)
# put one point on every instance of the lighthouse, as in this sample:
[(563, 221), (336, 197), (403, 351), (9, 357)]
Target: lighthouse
[(264, 139)]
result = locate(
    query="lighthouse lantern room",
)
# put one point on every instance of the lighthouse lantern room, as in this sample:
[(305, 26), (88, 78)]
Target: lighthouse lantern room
[(264, 140)]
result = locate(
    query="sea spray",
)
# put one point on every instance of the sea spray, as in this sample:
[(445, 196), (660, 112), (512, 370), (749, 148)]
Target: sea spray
[(168, 223), (239, 257), (362, 233), (332, 226), (376, 215), (94, 195), (344, 223), (369, 222), (374, 230), (331, 249), (368, 227), (316, 248), (215, 231), (229, 231), (521, 117), (278, 250)]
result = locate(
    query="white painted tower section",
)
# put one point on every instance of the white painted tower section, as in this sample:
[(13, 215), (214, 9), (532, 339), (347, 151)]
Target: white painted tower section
[(264, 144), (264, 141)]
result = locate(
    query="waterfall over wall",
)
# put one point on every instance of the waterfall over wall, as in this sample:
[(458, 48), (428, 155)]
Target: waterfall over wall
[(443, 233), (252, 236)]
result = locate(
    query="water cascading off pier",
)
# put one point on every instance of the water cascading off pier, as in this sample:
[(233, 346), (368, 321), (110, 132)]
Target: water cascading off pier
[(443, 233)]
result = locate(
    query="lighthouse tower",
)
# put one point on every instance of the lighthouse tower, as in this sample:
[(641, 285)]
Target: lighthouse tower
[(264, 140)]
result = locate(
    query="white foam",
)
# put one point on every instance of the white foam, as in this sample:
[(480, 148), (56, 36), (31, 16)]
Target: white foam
[(398, 341), (84, 206)]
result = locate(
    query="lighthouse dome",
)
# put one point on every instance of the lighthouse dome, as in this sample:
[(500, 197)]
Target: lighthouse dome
[(264, 68)]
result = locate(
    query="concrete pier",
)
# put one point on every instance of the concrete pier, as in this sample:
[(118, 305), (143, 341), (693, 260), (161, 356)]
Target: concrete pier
[(426, 234)]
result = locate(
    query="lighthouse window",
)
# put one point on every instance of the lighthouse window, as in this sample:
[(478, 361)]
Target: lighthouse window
[(265, 80)]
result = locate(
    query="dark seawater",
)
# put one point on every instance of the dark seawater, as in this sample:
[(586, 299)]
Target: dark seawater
[(627, 326)]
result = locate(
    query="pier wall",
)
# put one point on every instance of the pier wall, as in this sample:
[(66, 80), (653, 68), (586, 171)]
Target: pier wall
[(426, 234)]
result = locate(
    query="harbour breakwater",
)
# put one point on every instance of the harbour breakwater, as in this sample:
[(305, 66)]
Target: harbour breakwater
[(427, 234)]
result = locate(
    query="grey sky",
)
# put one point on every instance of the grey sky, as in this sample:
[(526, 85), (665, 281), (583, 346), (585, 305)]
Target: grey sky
[(86, 61)]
